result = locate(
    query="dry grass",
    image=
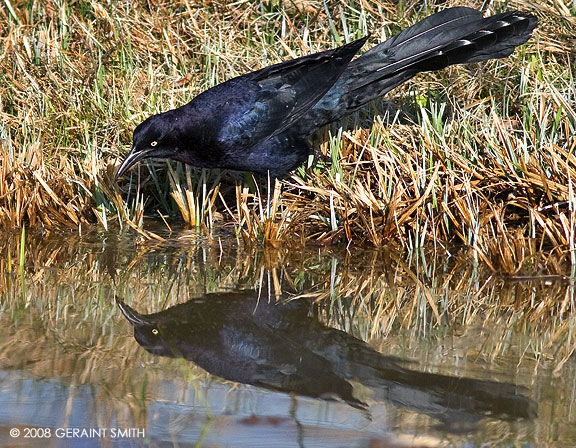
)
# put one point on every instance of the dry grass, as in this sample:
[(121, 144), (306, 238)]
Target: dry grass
[(480, 157)]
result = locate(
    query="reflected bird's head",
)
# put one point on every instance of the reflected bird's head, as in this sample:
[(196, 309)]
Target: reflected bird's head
[(146, 330)]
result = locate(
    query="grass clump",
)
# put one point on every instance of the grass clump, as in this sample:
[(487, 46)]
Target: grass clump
[(479, 157)]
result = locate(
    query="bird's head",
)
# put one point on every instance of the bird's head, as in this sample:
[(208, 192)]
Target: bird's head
[(154, 137), (148, 331)]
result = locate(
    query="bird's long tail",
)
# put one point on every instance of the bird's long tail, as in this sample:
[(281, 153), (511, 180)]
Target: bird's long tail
[(453, 36)]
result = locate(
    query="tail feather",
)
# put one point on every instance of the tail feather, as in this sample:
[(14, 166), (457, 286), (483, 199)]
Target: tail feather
[(456, 36), (434, 31), (453, 36)]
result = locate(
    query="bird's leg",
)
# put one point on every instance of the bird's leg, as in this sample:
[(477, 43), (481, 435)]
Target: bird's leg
[(317, 154)]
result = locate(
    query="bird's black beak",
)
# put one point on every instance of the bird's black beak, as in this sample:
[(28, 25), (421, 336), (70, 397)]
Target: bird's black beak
[(131, 159), (130, 314)]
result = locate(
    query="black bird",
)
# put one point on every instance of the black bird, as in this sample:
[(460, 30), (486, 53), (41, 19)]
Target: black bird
[(263, 121), (242, 337)]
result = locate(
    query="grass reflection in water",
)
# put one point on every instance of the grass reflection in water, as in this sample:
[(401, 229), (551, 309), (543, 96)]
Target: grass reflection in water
[(63, 328)]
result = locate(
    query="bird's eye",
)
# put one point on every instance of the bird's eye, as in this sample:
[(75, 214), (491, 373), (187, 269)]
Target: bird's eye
[(154, 143), (154, 331)]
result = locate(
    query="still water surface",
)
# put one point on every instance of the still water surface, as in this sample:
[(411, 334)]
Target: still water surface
[(109, 340)]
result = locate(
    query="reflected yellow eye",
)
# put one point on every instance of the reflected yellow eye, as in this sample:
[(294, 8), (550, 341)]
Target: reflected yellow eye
[(154, 143), (154, 331)]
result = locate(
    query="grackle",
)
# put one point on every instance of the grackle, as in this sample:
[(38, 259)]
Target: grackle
[(263, 121), (283, 346)]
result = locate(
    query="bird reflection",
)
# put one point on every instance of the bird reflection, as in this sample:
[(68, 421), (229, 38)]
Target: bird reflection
[(281, 345)]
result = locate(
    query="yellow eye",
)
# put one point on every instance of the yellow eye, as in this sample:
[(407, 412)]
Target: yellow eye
[(154, 143), (154, 331)]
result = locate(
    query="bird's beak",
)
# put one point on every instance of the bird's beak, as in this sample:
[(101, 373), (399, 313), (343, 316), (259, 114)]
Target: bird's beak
[(130, 314), (131, 159)]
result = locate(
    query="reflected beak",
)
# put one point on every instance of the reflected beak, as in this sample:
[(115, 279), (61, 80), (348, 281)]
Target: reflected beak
[(130, 314), (131, 159)]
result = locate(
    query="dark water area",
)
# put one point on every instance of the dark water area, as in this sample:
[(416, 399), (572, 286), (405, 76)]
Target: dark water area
[(112, 340)]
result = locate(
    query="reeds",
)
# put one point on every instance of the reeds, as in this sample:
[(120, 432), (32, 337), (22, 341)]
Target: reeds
[(480, 157)]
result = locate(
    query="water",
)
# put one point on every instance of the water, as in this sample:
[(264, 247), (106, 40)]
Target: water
[(110, 340)]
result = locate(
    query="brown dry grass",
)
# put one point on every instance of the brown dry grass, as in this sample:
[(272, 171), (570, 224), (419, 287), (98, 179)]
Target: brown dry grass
[(479, 156)]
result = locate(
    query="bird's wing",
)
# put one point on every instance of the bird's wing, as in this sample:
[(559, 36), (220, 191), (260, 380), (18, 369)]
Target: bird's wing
[(285, 92)]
